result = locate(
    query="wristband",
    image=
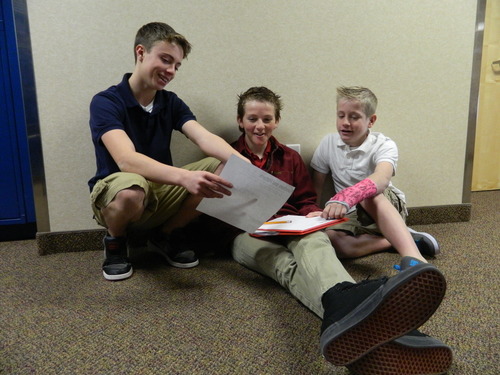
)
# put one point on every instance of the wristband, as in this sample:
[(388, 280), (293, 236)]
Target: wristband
[(352, 195)]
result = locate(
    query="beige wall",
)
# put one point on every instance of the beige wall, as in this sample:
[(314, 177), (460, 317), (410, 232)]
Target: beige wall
[(415, 55)]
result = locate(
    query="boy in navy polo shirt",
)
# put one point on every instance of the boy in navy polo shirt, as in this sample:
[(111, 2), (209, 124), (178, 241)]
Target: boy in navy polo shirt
[(136, 188)]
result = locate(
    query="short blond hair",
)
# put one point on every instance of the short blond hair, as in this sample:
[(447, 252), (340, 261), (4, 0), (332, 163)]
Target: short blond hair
[(361, 94)]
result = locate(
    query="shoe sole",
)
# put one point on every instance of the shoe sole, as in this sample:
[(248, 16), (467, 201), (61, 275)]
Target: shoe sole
[(395, 357), (155, 249), (402, 304), (430, 238), (118, 277)]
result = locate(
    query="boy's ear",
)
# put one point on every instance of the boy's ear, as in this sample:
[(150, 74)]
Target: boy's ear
[(373, 118), (139, 52)]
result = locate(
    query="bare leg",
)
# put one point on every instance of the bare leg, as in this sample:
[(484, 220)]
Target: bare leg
[(126, 207), (392, 226), (187, 213), (348, 246)]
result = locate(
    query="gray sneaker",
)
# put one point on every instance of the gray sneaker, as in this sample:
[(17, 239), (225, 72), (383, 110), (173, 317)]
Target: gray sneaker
[(412, 354), (427, 244), (407, 262)]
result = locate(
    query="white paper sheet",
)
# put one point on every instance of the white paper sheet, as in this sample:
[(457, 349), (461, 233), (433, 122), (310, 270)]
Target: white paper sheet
[(256, 196)]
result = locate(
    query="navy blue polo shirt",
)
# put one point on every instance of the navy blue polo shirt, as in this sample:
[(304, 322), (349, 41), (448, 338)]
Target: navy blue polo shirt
[(151, 133)]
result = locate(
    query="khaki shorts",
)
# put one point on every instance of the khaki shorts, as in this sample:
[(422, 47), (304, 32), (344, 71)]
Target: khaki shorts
[(360, 222), (161, 201)]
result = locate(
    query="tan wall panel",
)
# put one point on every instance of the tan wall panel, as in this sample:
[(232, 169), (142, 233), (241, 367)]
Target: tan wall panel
[(418, 65)]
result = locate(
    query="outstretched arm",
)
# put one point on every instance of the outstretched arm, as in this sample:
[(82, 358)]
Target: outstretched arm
[(209, 143), (124, 154), (374, 184)]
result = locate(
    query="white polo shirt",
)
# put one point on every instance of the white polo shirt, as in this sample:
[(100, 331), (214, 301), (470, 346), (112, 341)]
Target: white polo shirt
[(349, 165)]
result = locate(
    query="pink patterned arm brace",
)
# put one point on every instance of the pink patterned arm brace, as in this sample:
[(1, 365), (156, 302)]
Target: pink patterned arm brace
[(351, 196)]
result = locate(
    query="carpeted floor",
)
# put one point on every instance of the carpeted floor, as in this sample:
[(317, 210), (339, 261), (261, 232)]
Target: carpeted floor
[(59, 316)]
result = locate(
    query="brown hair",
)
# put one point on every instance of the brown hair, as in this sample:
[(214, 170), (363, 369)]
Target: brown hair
[(260, 94), (154, 32)]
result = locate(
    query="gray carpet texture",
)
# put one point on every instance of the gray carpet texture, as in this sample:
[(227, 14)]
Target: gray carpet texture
[(59, 316)]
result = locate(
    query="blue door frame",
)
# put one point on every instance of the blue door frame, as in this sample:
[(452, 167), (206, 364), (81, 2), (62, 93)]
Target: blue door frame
[(17, 206)]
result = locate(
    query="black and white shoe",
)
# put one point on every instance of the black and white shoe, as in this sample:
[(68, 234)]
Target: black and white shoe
[(116, 264), (174, 248), (360, 317)]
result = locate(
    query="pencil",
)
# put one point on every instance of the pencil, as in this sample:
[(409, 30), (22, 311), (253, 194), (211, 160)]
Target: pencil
[(278, 222)]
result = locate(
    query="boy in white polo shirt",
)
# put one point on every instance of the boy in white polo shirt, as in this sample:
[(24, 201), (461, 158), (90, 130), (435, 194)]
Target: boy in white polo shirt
[(362, 163)]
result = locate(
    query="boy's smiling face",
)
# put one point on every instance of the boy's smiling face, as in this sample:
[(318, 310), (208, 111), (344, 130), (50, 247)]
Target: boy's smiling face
[(258, 124), (160, 64), (352, 122)]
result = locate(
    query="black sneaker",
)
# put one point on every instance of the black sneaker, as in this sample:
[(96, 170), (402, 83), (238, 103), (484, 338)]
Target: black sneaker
[(412, 354), (427, 244), (116, 265), (360, 317), (174, 248)]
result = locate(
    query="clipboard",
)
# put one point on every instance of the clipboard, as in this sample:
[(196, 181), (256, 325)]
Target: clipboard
[(294, 225)]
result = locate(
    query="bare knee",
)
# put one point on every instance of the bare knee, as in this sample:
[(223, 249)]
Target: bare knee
[(133, 196), (129, 202), (372, 204)]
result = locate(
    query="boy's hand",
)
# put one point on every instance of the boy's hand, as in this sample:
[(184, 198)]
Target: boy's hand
[(207, 184), (314, 214), (334, 211)]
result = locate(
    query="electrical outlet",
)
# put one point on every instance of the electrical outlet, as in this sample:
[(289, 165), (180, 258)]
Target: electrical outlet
[(295, 147)]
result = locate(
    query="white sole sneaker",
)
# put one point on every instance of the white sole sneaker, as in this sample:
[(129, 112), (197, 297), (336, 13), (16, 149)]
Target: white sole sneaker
[(430, 243)]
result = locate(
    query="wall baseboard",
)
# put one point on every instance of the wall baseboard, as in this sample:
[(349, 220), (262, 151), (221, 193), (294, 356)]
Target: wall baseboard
[(439, 214), (71, 241), (91, 240)]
